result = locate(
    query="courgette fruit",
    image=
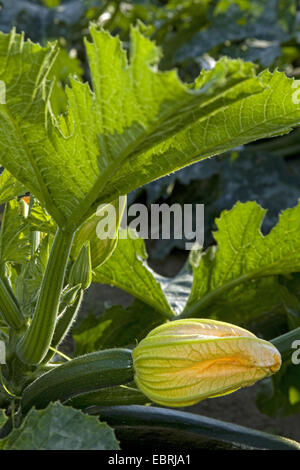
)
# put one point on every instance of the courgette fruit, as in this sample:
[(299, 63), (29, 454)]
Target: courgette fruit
[(175, 429), (83, 374)]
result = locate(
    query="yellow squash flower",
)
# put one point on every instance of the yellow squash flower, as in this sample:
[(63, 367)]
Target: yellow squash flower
[(185, 361)]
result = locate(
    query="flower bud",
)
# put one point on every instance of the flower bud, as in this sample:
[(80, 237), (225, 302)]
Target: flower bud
[(81, 271), (185, 361)]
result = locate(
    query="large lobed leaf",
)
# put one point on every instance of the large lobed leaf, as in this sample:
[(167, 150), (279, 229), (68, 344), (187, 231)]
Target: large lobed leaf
[(60, 427), (243, 256), (136, 126), (237, 281), (127, 269)]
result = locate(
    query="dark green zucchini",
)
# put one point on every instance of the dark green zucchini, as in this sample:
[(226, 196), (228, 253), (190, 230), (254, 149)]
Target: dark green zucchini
[(81, 375), (168, 429)]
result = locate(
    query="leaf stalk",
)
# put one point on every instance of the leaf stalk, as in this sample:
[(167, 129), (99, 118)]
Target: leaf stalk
[(36, 342), (9, 308)]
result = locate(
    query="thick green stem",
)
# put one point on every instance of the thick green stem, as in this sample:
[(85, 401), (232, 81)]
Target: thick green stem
[(284, 343), (9, 308), (63, 325), (37, 340)]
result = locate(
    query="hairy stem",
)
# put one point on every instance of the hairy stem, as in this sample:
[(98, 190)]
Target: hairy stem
[(37, 340), (284, 343), (63, 324)]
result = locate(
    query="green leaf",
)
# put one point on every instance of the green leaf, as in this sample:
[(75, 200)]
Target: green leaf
[(138, 125), (9, 187), (116, 327), (14, 239), (240, 304), (177, 289), (60, 427), (243, 257), (250, 301), (233, 117), (64, 67), (127, 269), (51, 3), (39, 220)]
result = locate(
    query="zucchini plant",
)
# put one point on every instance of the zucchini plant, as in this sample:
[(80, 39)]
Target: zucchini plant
[(132, 125)]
